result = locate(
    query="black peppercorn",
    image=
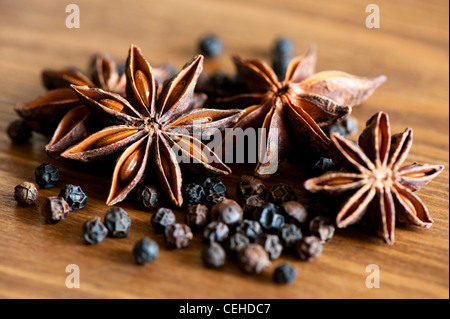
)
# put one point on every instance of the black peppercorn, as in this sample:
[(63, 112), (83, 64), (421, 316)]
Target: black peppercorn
[(74, 196), (118, 222), (294, 212), (267, 215), (214, 185), (309, 248), (250, 204), (284, 274), (282, 54), (281, 193), (193, 194), (322, 166), (25, 194), (94, 231), (47, 175), (145, 251), (210, 46), (162, 218), (19, 132), (235, 243), (148, 196), (289, 235), (250, 228), (249, 186), (253, 259), (271, 244), (196, 217), (227, 211), (177, 236), (215, 231), (322, 228), (213, 255), (213, 199), (55, 209)]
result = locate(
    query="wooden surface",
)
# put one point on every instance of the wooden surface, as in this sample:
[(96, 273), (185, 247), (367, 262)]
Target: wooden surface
[(411, 48)]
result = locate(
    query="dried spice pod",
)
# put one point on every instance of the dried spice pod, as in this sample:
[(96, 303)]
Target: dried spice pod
[(177, 236), (150, 127), (55, 209), (253, 259), (379, 186), (25, 193)]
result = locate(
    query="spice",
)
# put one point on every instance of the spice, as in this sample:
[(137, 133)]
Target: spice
[(148, 196), (323, 165), (215, 231), (147, 124), (214, 185), (250, 186), (289, 235), (250, 228), (344, 128), (25, 193), (228, 212), (177, 236), (213, 199), (293, 109), (269, 218), (193, 194), (285, 274), (74, 196), (322, 228), (235, 243), (213, 255), (281, 193), (47, 175), (253, 259), (377, 181), (210, 46), (162, 218), (19, 132), (55, 209), (282, 54), (271, 244), (145, 251), (94, 231), (196, 217), (294, 212), (118, 222), (250, 204), (309, 248)]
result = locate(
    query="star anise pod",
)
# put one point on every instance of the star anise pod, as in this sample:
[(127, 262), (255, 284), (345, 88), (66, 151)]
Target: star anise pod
[(151, 128), (297, 106), (381, 188)]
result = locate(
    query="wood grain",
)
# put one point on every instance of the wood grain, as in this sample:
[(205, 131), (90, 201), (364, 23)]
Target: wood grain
[(411, 48)]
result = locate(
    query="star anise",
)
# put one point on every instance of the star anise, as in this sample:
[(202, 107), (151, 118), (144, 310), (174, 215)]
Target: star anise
[(381, 188), (151, 128), (297, 106)]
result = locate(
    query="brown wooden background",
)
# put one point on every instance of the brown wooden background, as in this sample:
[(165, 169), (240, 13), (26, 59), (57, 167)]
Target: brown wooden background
[(411, 48)]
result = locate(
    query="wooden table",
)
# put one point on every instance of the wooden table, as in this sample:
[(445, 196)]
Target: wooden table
[(410, 47)]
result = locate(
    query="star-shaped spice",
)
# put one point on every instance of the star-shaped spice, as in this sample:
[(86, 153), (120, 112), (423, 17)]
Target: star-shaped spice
[(381, 188), (151, 128), (293, 109)]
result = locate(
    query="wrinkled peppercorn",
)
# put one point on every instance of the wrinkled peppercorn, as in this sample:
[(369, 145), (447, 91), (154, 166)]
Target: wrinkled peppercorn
[(228, 211), (250, 228), (213, 199), (118, 222), (249, 186), (271, 244), (55, 209), (210, 46), (282, 54), (253, 259), (344, 128), (214, 185), (213, 255), (289, 235), (285, 274), (47, 175), (235, 243), (250, 204), (25, 194), (267, 215), (281, 193), (196, 217), (193, 194), (94, 231), (162, 218), (309, 248), (19, 132), (145, 251), (74, 196), (148, 196), (215, 231), (294, 212), (322, 166), (322, 228), (177, 236)]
